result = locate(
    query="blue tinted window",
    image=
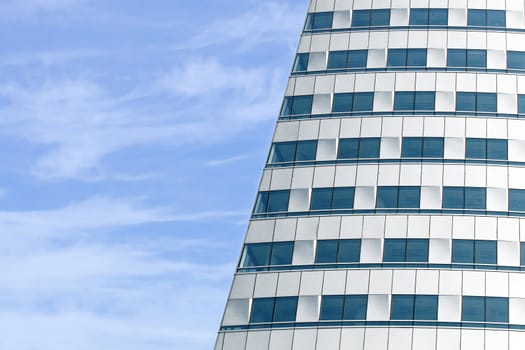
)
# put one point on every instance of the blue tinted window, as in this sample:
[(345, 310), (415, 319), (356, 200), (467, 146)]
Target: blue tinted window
[(387, 197), (320, 20), (433, 147), (486, 102), (456, 58), (343, 198), (278, 201), (425, 307), (369, 147), (394, 250), (348, 149), (321, 199), (476, 148), (463, 251), (473, 309), (343, 103), (326, 251), (416, 57), (360, 18), (379, 18), (357, 58), (438, 17), (332, 307), (363, 101), (281, 253), (285, 309), (262, 310), (283, 152), (516, 200), (497, 149), (355, 307), (453, 197), (496, 18), (397, 58), (417, 250), (521, 104), (475, 198), (402, 307), (408, 197), (496, 309), (302, 105), (466, 101), (261, 204), (301, 62), (256, 254), (412, 147), (337, 59), (349, 251), (477, 18), (522, 253), (477, 58), (485, 252), (515, 60), (404, 101), (306, 150), (425, 101), (418, 17)]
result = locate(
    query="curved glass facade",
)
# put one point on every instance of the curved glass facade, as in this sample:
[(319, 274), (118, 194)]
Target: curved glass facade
[(391, 208)]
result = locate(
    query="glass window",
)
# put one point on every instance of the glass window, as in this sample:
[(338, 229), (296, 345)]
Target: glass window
[(433, 147), (437, 17), (386, 197), (320, 20), (282, 253), (476, 148), (485, 252), (337, 59), (515, 60), (348, 149), (256, 255), (301, 62), (397, 58), (453, 197), (477, 58), (355, 307), (418, 17), (473, 309), (412, 147), (408, 197), (417, 250), (497, 149), (343, 103), (278, 201), (425, 101), (283, 152), (321, 199), (463, 251), (402, 307), (360, 18), (302, 105), (379, 18), (521, 104), (477, 18), (522, 253), (486, 102), (357, 58), (404, 101), (425, 307), (456, 58), (475, 198), (261, 204), (394, 250), (286, 108), (369, 147), (332, 307), (262, 310), (516, 200), (496, 309), (343, 198), (285, 309), (466, 101), (306, 150), (416, 57), (349, 251), (363, 101), (326, 252), (496, 18)]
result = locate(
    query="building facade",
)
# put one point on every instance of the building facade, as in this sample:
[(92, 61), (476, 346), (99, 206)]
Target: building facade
[(390, 214)]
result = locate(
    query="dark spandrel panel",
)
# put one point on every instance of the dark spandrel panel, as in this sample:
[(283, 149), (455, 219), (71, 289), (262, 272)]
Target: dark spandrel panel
[(285, 309), (402, 307), (332, 307), (394, 250), (463, 251), (349, 251), (473, 309), (355, 307), (262, 310), (485, 252), (425, 307)]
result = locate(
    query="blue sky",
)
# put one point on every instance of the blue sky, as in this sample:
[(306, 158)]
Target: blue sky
[(132, 138)]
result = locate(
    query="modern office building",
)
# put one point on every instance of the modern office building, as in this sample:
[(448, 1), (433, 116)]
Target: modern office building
[(390, 214)]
